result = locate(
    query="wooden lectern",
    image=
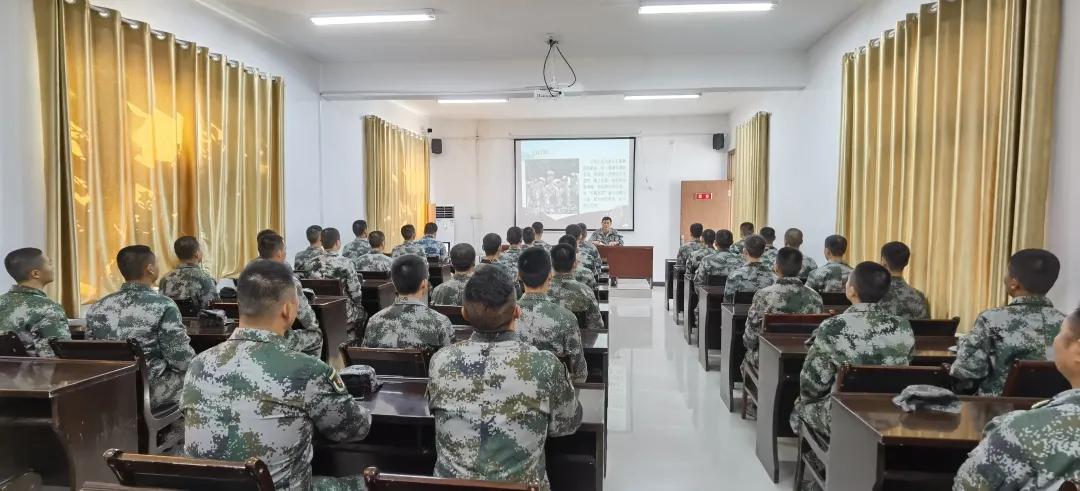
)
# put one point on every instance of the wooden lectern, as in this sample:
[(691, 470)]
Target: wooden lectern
[(628, 261)]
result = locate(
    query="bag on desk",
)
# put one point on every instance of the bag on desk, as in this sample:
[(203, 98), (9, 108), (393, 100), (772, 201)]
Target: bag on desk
[(927, 398), (360, 380), (228, 293), (212, 317)]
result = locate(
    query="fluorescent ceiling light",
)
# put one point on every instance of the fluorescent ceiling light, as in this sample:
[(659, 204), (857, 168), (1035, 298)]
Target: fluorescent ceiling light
[(704, 7), (423, 15), (473, 101), (658, 97)]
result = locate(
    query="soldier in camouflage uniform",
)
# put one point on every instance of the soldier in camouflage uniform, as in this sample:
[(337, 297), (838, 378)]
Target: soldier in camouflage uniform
[(582, 274), (586, 260), (333, 266), (302, 262), (787, 296), (432, 247), (863, 335), (374, 260), (695, 244), (833, 276), (1022, 330), (251, 396), (151, 319), (409, 322), (903, 300), (538, 230), (746, 229), (509, 257), (569, 293), (720, 264), (308, 340), (606, 235), (544, 323), (408, 232), (589, 247), (1033, 449), (450, 292), (752, 276), (492, 423), (696, 257), (25, 309), (793, 238), (189, 281), (768, 258), (360, 246)]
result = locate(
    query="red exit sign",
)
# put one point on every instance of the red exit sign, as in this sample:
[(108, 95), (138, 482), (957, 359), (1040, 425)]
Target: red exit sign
[(702, 195)]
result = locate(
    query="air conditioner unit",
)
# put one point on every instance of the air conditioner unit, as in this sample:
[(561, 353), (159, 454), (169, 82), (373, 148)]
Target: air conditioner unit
[(444, 218)]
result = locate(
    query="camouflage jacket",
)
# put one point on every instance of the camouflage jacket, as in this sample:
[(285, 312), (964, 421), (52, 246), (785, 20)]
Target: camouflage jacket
[(694, 260), (687, 249), (34, 318), (250, 396), (358, 247), (451, 291), (496, 400), (586, 261), (585, 276), (737, 247), (577, 298), (1027, 450), (808, 266), (786, 296), (373, 261), (903, 300), (432, 247), (611, 237), (830, 278), (409, 247), (749, 278), (509, 258), (302, 263), (768, 258), (550, 327), (408, 324), (592, 251), (153, 321), (540, 243), (190, 282), (1023, 330), (719, 264), (334, 266), (863, 335)]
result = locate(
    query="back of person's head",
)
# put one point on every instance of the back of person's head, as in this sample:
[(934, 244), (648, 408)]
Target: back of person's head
[(408, 272), (769, 234), (489, 300), (709, 236), (754, 246), (1035, 269), (793, 238), (569, 240), (491, 244), (359, 227), (133, 260), (1067, 346), (870, 281), (430, 228), (789, 262), (534, 265), (408, 232), (696, 229), (573, 230), (330, 237), (313, 234), (836, 245), (270, 245), (584, 229), (746, 229), (376, 239), (263, 287), (724, 239), (895, 255), (563, 257), (528, 235), (186, 248), (462, 257), (267, 231), (21, 263), (513, 235), (538, 228)]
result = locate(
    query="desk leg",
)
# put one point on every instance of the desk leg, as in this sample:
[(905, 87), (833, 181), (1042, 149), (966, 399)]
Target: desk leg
[(769, 384), (727, 377), (855, 459)]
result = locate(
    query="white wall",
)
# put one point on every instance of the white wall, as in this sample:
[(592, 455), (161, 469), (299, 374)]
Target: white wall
[(475, 172), (1063, 232)]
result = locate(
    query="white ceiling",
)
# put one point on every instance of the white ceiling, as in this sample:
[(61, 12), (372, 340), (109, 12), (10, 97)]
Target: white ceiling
[(608, 106)]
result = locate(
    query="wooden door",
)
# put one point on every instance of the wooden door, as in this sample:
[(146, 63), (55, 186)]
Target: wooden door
[(705, 202)]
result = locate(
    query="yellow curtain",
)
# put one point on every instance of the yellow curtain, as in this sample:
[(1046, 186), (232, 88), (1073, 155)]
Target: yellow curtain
[(945, 144), (149, 138), (750, 191), (395, 178)]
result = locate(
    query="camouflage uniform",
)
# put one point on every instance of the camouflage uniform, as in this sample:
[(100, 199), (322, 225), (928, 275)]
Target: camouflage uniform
[(903, 300), (153, 321), (373, 261), (863, 335), (786, 296), (32, 316), (585, 276), (719, 264), (687, 249), (607, 238), (540, 243), (250, 396), (432, 247), (749, 278), (308, 340), (830, 278), (509, 258), (808, 266), (550, 327), (768, 258), (302, 262), (737, 247), (693, 262), (358, 247), (190, 282), (1033, 449), (1023, 330), (409, 247), (451, 291), (592, 251), (334, 266), (577, 298), (495, 400), (586, 261), (408, 323)]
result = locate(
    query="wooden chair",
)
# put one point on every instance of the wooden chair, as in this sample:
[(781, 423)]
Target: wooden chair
[(776, 324), (1029, 378), (881, 379), (811, 442), (935, 327), (325, 287), (11, 345), (20, 479), (405, 362), (151, 421), (716, 280), (159, 471), (377, 481), (454, 313), (1069, 486), (374, 275), (834, 299)]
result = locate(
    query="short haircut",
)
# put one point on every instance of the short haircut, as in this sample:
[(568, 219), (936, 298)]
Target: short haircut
[(584, 229), (265, 231), (871, 281), (430, 228), (535, 266), (538, 228), (724, 238), (754, 246), (407, 272), (271, 244), (185, 247), (1072, 324), (462, 257), (513, 235), (768, 233), (408, 232), (313, 234), (376, 239), (330, 236), (896, 255), (793, 237), (133, 260), (491, 244), (528, 236), (836, 244), (21, 262), (562, 258), (573, 230), (746, 228), (489, 299), (1036, 269), (359, 227), (709, 236), (262, 286), (696, 229), (569, 240), (789, 260), (605, 219)]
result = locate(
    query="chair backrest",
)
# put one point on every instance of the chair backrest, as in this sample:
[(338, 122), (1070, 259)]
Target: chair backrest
[(743, 298), (792, 323), (716, 280), (159, 471), (1028, 378), (883, 379), (11, 345), (454, 313), (835, 299), (935, 327), (406, 362), (375, 275), (332, 287), (377, 481), (188, 307), (1069, 486), (126, 350)]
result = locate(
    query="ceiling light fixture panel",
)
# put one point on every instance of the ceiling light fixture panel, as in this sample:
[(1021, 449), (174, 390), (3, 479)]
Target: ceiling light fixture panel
[(422, 15), (694, 7), (473, 101), (660, 97)]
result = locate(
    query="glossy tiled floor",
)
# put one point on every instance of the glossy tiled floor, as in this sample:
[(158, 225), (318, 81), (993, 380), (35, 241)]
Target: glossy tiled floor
[(667, 427)]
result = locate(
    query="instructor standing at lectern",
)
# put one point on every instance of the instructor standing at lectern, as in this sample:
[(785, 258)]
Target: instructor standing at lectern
[(606, 235)]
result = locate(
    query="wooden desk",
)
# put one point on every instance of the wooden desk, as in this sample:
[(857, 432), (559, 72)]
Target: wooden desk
[(438, 273), (402, 439), (202, 337), (873, 441), (58, 416), (603, 293), (628, 261), (605, 311), (711, 300), (680, 293), (669, 282), (690, 301), (333, 322), (377, 294)]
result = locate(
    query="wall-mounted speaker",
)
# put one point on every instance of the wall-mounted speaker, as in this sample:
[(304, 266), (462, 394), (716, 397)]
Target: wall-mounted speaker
[(436, 146), (718, 141)]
